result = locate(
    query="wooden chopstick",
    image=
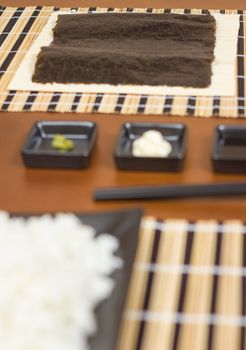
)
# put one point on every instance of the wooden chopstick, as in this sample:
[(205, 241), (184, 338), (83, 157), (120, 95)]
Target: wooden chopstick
[(170, 191)]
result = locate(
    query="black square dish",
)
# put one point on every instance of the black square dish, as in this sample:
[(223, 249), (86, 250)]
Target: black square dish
[(176, 134), (38, 151), (229, 149)]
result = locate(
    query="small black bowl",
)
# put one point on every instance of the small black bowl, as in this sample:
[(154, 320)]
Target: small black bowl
[(229, 149), (176, 134), (38, 151)]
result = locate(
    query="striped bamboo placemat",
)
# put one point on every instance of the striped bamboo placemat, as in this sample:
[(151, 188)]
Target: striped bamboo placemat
[(188, 289), (19, 27)]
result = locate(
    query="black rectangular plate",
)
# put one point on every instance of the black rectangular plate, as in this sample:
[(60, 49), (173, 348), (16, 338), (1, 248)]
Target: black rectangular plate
[(125, 226), (38, 151), (229, 149), (174, 133)]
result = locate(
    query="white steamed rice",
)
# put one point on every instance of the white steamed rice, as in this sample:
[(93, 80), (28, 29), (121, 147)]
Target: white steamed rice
[(53, 273)]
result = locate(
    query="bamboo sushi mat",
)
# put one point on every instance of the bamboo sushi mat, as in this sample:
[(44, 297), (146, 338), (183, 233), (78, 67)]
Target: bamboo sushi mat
[(19, 27), (188, 289)]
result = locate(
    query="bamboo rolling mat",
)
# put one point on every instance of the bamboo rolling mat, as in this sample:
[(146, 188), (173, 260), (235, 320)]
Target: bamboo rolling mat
[(19, 27), (188, 289)]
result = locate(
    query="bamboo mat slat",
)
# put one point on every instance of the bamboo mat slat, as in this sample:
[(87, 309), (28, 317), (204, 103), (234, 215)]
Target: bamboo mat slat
[(19, 28), (188, 288)]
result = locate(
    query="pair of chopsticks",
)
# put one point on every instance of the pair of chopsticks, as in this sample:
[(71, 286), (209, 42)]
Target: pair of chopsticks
[(170, 191)]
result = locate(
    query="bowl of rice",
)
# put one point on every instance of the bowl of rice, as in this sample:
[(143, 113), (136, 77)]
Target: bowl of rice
[(58, 275)]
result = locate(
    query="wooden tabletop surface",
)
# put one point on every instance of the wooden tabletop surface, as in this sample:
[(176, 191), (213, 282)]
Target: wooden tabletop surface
[(47, 190)]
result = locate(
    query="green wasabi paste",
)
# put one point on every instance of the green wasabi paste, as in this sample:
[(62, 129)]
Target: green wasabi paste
[(61, 143)]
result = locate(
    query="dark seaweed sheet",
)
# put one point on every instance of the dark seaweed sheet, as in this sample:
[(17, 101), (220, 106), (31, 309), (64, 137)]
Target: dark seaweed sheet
[(142, 49)]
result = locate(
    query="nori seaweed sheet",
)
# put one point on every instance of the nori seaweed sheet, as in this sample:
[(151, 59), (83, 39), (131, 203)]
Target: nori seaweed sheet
[(142, 49)]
